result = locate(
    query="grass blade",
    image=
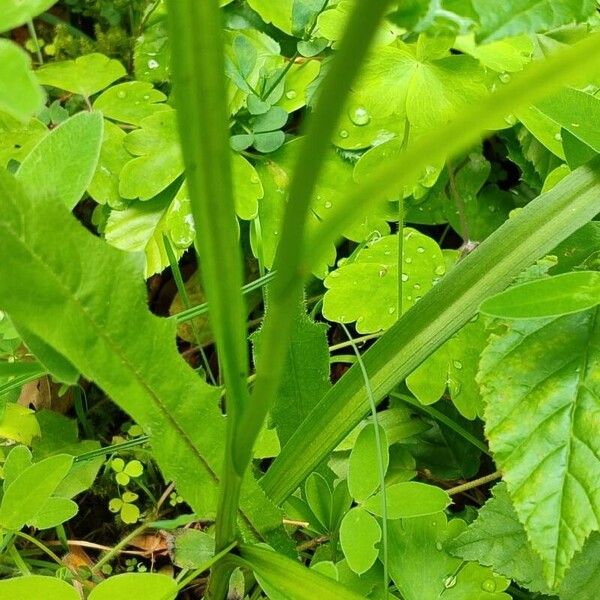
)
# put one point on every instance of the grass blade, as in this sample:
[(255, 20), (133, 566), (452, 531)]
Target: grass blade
[(533, 232), (198, 69), (286, 289)]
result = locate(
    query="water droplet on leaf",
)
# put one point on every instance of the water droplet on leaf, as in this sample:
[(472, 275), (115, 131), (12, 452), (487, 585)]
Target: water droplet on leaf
[(404, 277), (489, 585), (457, 364), (153, 64), (420, 250), (121, 94), (343, 134), (360, 116), (440, 270), (450, 581), (504, 77), (391, 310), (327, 204), (291, 94)]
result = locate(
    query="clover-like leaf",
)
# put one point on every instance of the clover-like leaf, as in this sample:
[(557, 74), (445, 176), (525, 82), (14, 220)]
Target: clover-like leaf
[(86, 75), (504, 56), (359, 535), (365, 290), (131, 102), (540, 383)]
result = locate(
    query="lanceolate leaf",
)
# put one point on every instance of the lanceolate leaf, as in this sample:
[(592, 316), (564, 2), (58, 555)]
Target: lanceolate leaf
[(290, 578), (450, 304), (541, 386), (119, 344), (551, 297)]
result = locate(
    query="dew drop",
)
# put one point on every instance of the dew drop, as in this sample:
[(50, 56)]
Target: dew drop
[(343, 134), (359, 116), (440, 270), (254, 179), (575, 125), (121, 94), (391, 310), (450, 581), (421, 250), (404, 277), (408, 260), (492, 208), (146, 96), (438, 546), (489, 585), (291, 94), (417, 298), (382, 272), (417, 286), (457, 364), (327, 204), (504, 77), (275, 232), (334, 274), (153, 64), (558, 137)]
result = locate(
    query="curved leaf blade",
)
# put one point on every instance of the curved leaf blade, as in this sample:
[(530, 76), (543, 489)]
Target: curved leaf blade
[(559, 295)]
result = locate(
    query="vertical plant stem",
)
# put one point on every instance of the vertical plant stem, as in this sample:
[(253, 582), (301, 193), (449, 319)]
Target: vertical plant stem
[(198, 68), (34, 37), (286, 289), (458, 202)]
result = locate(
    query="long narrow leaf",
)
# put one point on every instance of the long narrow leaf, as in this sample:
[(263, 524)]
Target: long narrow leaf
[(539, 226), (199, 82), (290, 578), (104, 328), (287, 286)]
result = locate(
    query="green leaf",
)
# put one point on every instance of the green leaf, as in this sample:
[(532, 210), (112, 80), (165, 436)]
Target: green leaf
[(453, 366), (277, 13), (192, 548), (409, 499), (363, 479), (53, 512), (275, 174), (150, 586), (419, 83), (37, 586), (131, 102), (289, 577), (318, 497), (86, 75), (503, 56), (306, 374), (575, 111), (140, 228), (179, 411), (296, 84), (497, 539), (17, 139), (528, 16), (20, 95), (18, 460), (421, 568), (104, 187), (551, 297), (365, 289), (359, 536), (539, 381), (18, 424), (18, 12), (25, 497), (152, 51), (532, 233), (577, 248), (60, 167), (158, 163)]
